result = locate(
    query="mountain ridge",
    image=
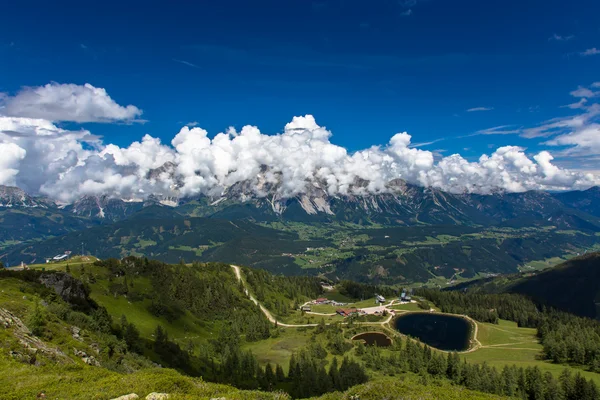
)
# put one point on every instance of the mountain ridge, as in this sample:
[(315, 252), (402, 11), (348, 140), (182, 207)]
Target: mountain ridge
[(405, 204)]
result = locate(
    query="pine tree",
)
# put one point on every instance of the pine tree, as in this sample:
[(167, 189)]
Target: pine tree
[(509, 381), (321, 327), (123, 322), (453, 367), (567, 385), (552, 390), (131, 335), (160, 335), (323, 381), (37, 320), (269, 377), (279, 374), (261, 379), (334, 374), (292, 367)]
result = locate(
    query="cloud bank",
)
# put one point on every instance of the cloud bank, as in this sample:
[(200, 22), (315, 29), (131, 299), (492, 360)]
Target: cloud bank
[(67, 102), (41, 157)]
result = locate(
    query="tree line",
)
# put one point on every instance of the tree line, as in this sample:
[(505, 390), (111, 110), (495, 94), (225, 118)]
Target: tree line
[(356, 290), (282, 294), (524, 383)]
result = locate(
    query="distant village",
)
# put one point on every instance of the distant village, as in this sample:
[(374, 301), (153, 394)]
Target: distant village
[(378, 309)]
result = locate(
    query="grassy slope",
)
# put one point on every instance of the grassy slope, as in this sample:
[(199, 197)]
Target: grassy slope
[(19, 381), (503, 344), (79, 381), (188, 327), (507, 344)]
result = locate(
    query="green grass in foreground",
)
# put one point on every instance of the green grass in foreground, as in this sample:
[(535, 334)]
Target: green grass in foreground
[(22, 381), (507, 344)]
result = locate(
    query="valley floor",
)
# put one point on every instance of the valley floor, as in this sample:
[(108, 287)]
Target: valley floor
[(497, 345)]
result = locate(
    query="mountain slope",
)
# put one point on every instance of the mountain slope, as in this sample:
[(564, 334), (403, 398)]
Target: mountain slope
[(162, 233), (573, 286), (587, 201), (21, 225)]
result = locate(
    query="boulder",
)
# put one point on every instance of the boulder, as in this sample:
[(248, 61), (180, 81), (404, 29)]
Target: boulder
[(90, 360), (157, 396), (76, 333), (131, 396)]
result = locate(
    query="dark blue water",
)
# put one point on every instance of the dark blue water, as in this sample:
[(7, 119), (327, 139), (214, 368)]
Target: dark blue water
[(444, 332), (371, 338)]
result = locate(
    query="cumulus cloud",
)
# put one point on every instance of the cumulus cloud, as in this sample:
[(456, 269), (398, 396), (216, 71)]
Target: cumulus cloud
[(9, 162), (41, 157), (68, 164), (66, 102)]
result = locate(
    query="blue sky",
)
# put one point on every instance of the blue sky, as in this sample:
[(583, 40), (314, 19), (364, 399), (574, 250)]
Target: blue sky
[(365, 69)]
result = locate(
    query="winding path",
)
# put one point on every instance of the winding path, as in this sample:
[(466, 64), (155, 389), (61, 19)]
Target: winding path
[(273, 320), (384, 324)]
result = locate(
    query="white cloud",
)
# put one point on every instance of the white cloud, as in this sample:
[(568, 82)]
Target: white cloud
[(41, 157), (480, 109), (67, 164), (584, 141), (407, 13), (12, 155), (189, 64), (590, 52), (500, 130), (66, 102), (561, 38), (583, 92), (578, 105)]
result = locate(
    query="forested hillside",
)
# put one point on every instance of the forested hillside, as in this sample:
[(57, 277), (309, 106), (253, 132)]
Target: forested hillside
[(573, 286)]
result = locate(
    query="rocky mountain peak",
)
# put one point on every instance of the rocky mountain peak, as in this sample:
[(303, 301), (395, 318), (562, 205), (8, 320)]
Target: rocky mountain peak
[(11, 196)]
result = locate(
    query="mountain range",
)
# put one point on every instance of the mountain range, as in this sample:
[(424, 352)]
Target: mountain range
[(407, 233)]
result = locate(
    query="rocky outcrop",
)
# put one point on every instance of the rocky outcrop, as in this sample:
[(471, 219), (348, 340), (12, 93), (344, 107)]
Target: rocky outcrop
[(76, 333), (32, 345), (70, 289), (89, 360)]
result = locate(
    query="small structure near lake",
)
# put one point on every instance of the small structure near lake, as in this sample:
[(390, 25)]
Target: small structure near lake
[(346, 312)]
